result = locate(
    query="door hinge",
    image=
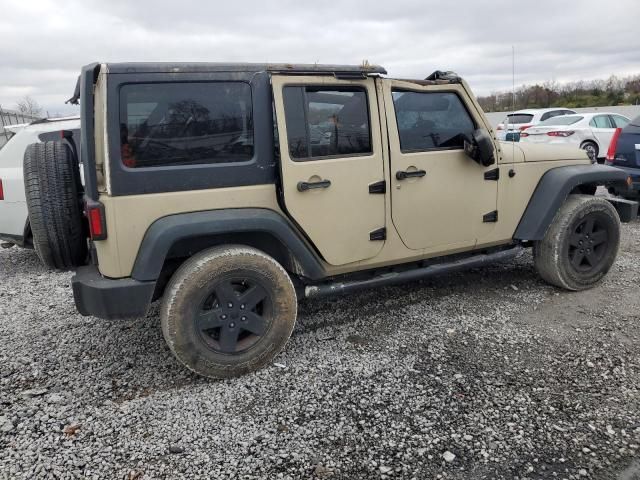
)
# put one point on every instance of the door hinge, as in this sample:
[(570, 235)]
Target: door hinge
[(492, 174), (378, 187), (490, 217), (379, 234)]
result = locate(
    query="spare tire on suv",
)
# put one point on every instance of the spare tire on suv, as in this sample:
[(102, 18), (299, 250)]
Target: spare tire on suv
[(53, 191)]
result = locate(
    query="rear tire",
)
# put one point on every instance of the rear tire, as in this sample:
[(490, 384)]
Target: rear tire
[(228, 311), (51, 180), (580, 245)]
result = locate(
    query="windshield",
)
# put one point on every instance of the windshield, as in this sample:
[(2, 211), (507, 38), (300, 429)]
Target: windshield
[(519, 118), (4, 138), (561, 120)]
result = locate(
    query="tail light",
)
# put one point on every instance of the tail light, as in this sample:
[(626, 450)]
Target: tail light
[(500, 127), (524, 134), (611, 152), (97, 222), (563, 133), (1, 190), (524, 127)]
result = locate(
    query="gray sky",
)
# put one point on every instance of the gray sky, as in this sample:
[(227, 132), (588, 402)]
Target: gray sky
[(44, 43)]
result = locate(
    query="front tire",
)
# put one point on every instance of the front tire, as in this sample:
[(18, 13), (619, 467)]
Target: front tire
[(580, 245), (228, 311)]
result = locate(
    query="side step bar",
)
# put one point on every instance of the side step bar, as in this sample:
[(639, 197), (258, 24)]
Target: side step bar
[(391, 278)]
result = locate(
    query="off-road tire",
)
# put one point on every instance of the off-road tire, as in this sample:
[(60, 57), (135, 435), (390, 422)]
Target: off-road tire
[(196, 282), (554, 256), (51, 179)]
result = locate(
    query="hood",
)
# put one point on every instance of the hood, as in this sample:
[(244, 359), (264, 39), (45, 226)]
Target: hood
[(534, 152)]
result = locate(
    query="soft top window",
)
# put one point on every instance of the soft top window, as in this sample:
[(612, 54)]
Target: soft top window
[(172, 124)]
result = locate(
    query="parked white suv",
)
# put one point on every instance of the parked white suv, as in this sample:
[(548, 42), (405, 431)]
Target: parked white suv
[(14, 221), (516, 122)]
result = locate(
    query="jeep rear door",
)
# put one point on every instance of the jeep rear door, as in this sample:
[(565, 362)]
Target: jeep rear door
[(331, 161), (441, 199)]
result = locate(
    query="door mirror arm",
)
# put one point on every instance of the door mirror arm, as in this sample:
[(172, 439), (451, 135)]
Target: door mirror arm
[(480, 148)]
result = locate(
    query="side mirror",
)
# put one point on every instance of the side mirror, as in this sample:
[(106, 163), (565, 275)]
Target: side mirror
[(480, 148)]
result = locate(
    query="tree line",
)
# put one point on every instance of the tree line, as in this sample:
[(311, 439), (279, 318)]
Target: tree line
[(584, 93)]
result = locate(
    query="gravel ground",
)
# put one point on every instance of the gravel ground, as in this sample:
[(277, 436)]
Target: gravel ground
[(487, 374)]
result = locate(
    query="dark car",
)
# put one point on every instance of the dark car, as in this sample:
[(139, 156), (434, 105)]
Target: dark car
[(624, 153)]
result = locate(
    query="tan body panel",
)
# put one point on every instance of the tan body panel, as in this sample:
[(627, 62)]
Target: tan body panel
[(337, 219), (428, 211), (129, 217)]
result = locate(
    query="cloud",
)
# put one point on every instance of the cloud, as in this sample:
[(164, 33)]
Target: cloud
[(46, 42)]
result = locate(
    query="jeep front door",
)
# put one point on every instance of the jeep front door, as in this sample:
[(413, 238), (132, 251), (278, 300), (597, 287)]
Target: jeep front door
[(331, 155), (441, 199)]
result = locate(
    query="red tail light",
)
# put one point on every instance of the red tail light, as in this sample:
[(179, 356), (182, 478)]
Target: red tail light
[(500, 127), (611, 152), (524, 134), (563, 133), (524, 127), (97, 221), (1, 190)]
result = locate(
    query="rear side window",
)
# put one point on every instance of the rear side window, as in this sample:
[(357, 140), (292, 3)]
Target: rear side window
[(173, 124), (326, 122), (519, 118), (601, 121), (431, 120)]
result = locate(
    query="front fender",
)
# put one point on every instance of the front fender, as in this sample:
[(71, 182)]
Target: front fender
[(554, 188)]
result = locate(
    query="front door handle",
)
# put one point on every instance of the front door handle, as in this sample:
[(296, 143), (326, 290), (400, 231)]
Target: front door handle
[(403, 174), (304, 186)]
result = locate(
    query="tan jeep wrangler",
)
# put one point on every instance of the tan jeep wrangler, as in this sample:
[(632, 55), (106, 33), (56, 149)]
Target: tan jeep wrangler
[(231, 190)]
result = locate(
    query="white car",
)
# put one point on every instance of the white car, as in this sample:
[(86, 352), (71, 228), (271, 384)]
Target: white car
[(14, 221), (518, 121), (590, 131)]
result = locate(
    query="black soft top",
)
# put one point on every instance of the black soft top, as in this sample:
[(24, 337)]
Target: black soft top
[(205, 67)]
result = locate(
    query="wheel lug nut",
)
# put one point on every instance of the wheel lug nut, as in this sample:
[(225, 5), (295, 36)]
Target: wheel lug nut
[(230, 305), (223, 316), (243, 318), (242, 307), (231, 325)]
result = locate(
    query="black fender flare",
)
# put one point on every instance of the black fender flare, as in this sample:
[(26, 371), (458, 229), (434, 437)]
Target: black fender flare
[(166, 231), (553, 189)]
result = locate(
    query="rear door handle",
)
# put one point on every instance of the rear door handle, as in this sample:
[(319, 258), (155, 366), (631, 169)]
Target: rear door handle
[(403, 174), (304, 186)]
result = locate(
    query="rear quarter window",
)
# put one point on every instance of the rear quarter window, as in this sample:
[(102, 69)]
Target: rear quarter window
[(179, 124)]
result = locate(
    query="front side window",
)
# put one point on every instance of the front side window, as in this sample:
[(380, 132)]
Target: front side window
[(174, 124), (326, 121), (600, 121), (431, 120)]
